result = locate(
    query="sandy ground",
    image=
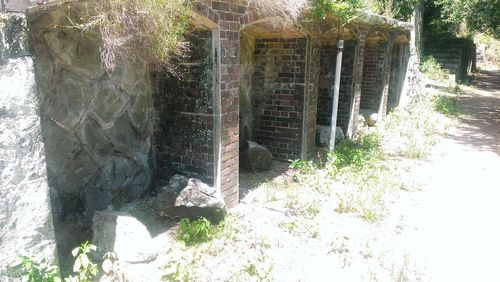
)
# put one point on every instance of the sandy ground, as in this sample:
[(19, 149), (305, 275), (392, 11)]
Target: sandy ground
[(445, 226), (448, 230)]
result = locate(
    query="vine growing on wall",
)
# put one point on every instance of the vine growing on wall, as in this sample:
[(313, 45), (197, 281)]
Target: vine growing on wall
[(147, 29)]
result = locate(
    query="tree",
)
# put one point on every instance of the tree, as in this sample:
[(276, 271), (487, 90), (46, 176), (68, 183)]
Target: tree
[(478, 15)]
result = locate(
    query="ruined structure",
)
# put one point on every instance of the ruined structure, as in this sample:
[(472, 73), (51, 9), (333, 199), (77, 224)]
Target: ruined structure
[(110, 138)]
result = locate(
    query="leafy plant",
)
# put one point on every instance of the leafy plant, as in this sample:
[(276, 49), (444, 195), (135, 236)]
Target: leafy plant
[(446, 105), (397, 9), (357, 153), (198, 231), (432, 69), (30, 270), (344, 10), (83, 267), (303, 166)]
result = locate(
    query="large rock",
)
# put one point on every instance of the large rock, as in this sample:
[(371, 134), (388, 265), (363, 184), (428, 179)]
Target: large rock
[(190, 198), (323, 135), (372, 119), (123, 234), (255, 157), (26, 226)]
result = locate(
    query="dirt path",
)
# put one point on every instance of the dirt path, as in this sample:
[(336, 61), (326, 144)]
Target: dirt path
[(456, 222)]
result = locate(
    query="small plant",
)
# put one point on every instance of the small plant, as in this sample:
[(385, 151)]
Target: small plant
[(83, 267), (356, 154), (30, 270), (198, 231), (446, 105), (432, 69), (304, 167)]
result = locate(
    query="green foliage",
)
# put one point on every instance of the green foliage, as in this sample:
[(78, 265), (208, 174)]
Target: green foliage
[(83, 267), (479, 15), (447, 105), (304, 167), (432, 69), (30, 270), (345, 10), (397, 9), (198, 231), (356, 154)]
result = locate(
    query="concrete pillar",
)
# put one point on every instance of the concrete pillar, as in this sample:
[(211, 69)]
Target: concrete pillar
[(359, 54)]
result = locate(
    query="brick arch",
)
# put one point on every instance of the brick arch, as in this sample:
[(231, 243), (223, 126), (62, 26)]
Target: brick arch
[(203, 14)]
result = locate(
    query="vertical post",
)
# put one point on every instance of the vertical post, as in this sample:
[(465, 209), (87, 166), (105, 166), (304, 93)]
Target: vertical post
[(336, 90)]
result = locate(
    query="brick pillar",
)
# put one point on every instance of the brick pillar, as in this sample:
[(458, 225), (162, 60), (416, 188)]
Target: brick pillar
[(229, 13), (386, 76), (359, 55), (310, 108)]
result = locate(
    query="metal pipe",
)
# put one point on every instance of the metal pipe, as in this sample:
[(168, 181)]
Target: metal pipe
[(336, 89)]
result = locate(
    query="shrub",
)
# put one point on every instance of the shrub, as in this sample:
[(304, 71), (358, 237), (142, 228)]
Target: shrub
[(432, 69), (198, 231), (357, 153)]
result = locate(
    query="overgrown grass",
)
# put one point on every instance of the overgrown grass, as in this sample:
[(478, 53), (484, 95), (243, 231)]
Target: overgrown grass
[(431, 68), (447, 105)]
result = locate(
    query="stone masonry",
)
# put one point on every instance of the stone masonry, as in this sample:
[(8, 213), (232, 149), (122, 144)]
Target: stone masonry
[(26, 226)]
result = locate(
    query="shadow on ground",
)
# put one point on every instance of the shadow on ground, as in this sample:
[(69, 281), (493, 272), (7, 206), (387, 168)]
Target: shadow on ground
[(480, 124), (249, 181)]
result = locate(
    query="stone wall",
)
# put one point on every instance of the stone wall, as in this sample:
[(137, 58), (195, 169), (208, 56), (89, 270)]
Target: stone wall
[(327, 75), (398, 73), (96, 126), (184, 126), (25, 213), (373, 71), (278, 87)]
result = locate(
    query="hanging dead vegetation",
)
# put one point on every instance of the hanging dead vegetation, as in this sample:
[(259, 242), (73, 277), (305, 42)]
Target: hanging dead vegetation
[(139, 29)]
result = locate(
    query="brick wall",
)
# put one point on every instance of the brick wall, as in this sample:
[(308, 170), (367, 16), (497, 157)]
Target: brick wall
[(373, 70), (327, 75), (184, 127), (278, 87)]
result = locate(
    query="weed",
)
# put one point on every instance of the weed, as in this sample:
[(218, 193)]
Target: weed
[(303, 166), (289, 225), (31, 270), (432, 69), (198, 231), (83, 267), (356, 154), (447, 105)]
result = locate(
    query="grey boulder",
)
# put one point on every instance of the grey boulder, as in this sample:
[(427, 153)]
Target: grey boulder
[(323, 135), (190, 198), (255, 157)]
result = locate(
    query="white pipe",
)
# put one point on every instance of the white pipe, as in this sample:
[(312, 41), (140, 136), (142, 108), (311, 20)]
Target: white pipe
[(336, 89)]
